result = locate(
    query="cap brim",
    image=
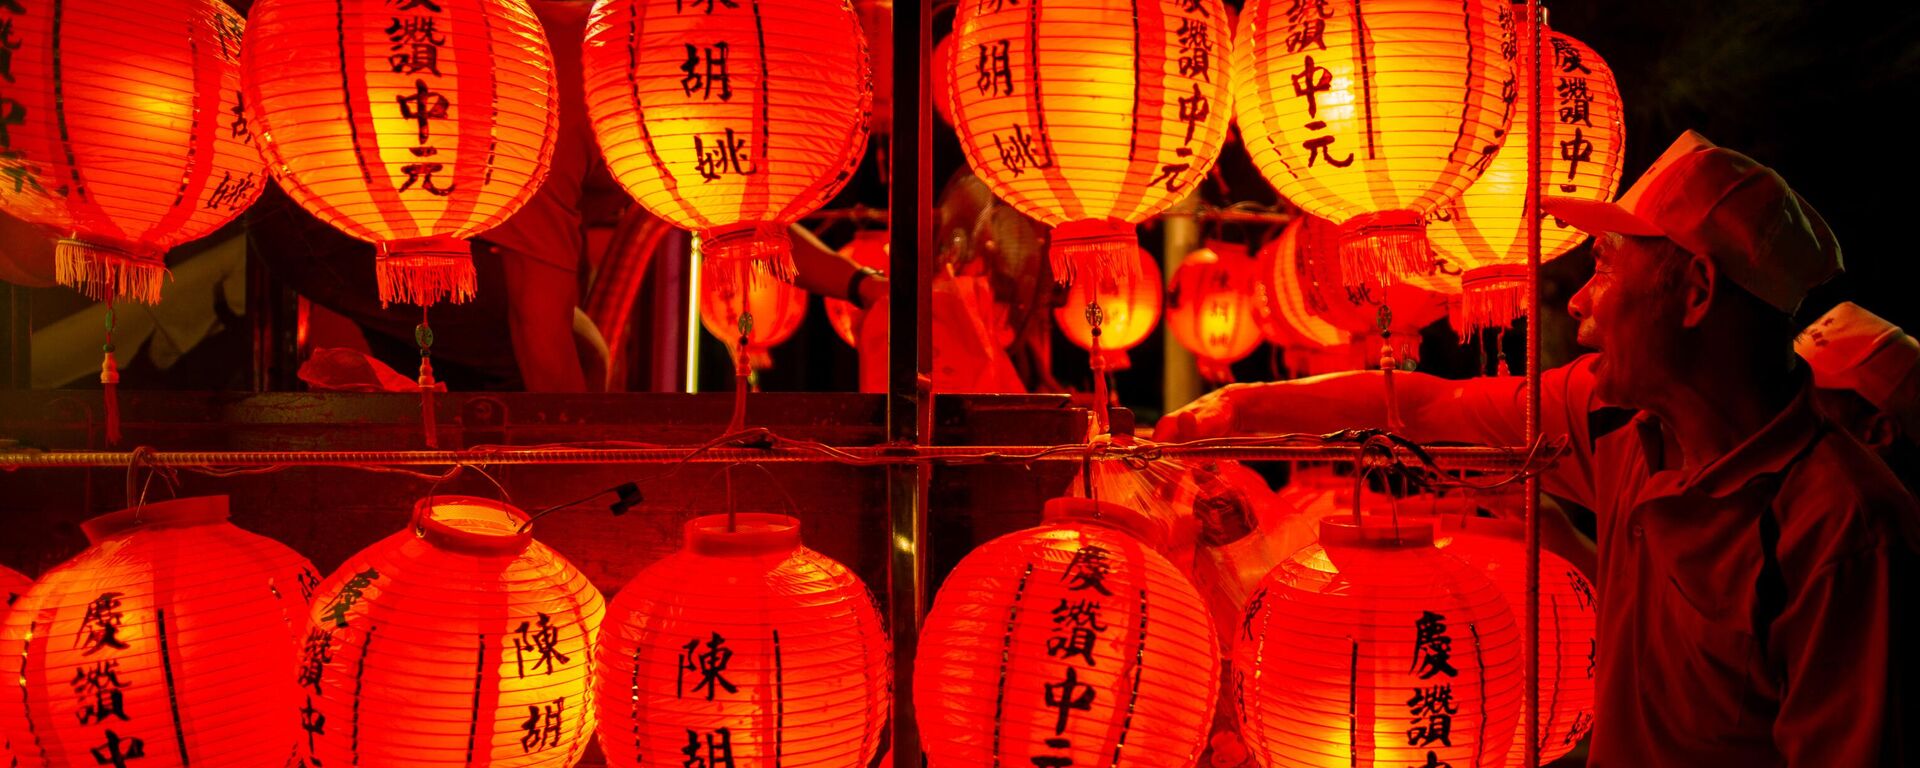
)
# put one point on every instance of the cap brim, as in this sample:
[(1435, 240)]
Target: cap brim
[(1598, 217)]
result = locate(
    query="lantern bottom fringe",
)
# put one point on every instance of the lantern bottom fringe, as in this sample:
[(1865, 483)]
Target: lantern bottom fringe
[(422, 279), (1378, 248), (103, 272), (1101, 248), (1491, 297), (747, 252)]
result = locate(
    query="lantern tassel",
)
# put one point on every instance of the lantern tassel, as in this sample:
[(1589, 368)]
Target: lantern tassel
[(424, 270), (1492, 297), (1380, 247), (742, 368), (429, 422), (748, 251), (1093, 248), (110, 392), (105, 273)]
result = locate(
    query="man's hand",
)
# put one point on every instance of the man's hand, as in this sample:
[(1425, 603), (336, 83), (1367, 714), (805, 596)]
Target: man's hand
[(1209, 416)]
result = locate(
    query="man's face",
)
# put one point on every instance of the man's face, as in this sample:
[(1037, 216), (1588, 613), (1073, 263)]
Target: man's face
[(1630, 312)]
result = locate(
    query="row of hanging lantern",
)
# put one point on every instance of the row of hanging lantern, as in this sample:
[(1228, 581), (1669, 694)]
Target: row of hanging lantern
[(461, 640)]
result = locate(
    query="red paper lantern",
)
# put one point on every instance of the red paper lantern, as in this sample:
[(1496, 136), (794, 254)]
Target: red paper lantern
[(457, 641), (1479, 239), (1286, 301), (744, 647), (1373, 648), (1091, 116), (1567, 626), (1371, 114), (777, 306), (1210, 308), (1303, 267), (171, 637), (1128, 306), (731, 119), (13, 584), (1073, 643), (123, 151), (868, 249), (410, 124), (942, 86)]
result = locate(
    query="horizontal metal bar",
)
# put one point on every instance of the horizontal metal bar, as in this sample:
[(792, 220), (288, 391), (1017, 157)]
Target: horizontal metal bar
[(1476, 458)]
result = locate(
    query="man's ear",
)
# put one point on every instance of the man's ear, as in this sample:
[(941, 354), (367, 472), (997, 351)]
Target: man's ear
[(1696, 286)]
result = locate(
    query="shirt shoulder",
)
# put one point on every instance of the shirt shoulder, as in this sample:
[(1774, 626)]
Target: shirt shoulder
[(1838, 501)]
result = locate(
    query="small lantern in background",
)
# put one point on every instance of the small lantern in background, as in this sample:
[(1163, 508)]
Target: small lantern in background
[(1373, 648), (457, 641), (744, 646), (730, 119), (1061, 644), (868, 249), (1479, 239), (1210, 308), (1567, 627), (1289, 311), (773, 310), (1108, 314), (1303, 265), (124, 151), (1372, 116), (171, 635), (1091, 116), (412, 126)]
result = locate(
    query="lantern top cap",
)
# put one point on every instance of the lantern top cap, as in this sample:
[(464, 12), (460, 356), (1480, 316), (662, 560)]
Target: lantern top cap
[(1117, 516), (1726, 206), (471, 525), (177, 513), (1378, 533), (753, 534)]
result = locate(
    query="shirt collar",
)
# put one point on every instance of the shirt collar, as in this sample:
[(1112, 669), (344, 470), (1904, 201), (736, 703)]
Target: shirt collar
[(1767, 452)]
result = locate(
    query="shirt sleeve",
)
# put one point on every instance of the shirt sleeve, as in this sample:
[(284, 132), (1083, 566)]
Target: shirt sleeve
[(1836, 707), (1493, 410)]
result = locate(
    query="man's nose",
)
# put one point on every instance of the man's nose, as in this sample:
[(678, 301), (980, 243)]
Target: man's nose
[(1581, 305)]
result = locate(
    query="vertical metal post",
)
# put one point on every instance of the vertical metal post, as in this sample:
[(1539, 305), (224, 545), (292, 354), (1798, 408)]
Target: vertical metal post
[(1534, 22), (693, 316), (1180, 235), (909, 353)]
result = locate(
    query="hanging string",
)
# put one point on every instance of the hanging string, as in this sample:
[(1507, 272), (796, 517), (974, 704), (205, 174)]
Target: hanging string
[(1388, 363), (1098, 363), (742, 369), (1500, 346), (423, 338), (110, 381)]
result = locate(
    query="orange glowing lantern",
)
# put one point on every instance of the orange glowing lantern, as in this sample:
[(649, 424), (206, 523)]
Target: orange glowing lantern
[(1303, 268), (1123, 304), (1372, 114), (13, 584), (1210, 308), (171, 636), (942, 87), (1285, 299), (1373, 648), (744, 645), (1567, 627), (123, 152), (868, 249), (1480, 238), (1067, 642), (731, 119), (457, 641), (1091, 116), (410, 124), (774, 310)]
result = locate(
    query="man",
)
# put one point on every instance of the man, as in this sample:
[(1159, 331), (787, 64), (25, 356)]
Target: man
[(1866, 374), (1750, 554)]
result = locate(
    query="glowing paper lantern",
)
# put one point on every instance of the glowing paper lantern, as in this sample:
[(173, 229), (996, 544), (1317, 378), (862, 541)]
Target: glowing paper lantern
[(1126, 304), (1061, 644), (13, 584), (777, 309), (1371, 114), (123, 151), (746, 648), (1210, 308), (868, 249), (457, 641), (171, 637), (942, 87), (1373, 648), (410, 124), (1091, 116), (1286, 301), (1304, 270), (1567, 626), (1480, 237), (731, 119)]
